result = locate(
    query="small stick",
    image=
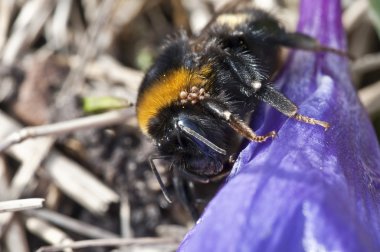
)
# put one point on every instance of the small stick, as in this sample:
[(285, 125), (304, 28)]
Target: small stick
[(71, 224), (47, 232), (89, 47), (26, 28), (80, 184), (125, 217), (95, 121), (370, 97), (15, 239), (7, 9), (19, 205), (354, 14), (366, 63), (59, 26), (148, 241)]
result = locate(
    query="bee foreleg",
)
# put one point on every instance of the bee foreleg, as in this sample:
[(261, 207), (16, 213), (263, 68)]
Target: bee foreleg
[(237, 124), (184, 194)]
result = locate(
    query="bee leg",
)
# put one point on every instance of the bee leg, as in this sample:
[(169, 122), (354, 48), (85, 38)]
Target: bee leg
[(193, 177), (158, 177), (184, 193), (220, 176), (277, 100), (237, 124), (305, 42), (275, 34)]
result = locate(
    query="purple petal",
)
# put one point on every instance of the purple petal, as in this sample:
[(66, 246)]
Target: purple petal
[(307, 190)]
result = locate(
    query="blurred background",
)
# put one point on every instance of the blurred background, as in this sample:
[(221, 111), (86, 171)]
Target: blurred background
[(55, 57)]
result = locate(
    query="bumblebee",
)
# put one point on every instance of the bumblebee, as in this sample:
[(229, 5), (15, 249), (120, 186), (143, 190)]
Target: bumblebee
[(194, 100)]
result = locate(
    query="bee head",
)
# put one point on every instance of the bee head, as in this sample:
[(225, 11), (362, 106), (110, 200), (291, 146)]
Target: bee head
[(194, 138)]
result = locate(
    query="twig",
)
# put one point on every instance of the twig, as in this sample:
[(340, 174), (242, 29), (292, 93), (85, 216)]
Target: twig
[(4, 180), (59, 32), (29, 22), (354, 13), (199, 15), (113, 243), (53, 196), (15, 238), (125, 217), (19, 205), (30, 154), (47, 232), (95, 121), (171, 230), (358, 45), (71, 224), (369, 62), (370, 97), (89, 47), (107, 68), (79, 184), (6, 12)]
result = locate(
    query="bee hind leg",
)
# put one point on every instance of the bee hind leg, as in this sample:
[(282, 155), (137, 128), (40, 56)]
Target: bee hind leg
[(277, 100), (305, 42)]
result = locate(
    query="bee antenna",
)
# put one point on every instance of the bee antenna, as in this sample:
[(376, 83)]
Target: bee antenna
[(158, 177), (193, 133)]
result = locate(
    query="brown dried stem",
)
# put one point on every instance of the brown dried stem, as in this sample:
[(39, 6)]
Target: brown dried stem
[(95, 121), (19, 205), (153, 242)]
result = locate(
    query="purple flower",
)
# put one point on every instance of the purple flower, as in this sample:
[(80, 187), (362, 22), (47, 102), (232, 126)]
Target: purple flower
[(308, 189)]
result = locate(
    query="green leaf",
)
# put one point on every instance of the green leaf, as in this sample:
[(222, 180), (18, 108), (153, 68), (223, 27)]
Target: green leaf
[(103, 103)]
